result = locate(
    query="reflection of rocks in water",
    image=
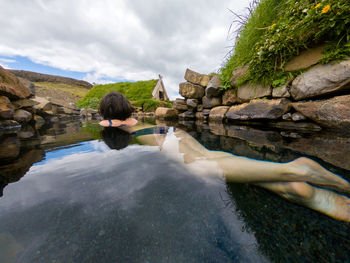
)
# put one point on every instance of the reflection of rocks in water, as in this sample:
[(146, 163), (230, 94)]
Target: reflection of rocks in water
[(328, 146), (9, 148), (287, 232), (15, 170)]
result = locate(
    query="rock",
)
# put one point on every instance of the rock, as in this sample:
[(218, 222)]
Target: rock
[(38, 119), (6, 108), (300, 126), (209, 103), (229, 97), (11, 87), (287, 116), (333, 113), (249, 92), (237, 74), (322, 79), (206, 112), (306, 59), (200, 107), (180, 105), (9, 125), (218, 113), (72, 106), (187, 115), (27, 84), (214, 87), (44, 104), (297, 116), (259, 109), (191, 91), (166, 113), (196, 78), (22, 116), (201, 116), (281, 92), (192, 103), (24, 103)]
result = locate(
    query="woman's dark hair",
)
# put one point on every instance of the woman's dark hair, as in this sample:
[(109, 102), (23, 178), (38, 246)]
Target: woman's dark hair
[(115, 106), (115, 138)]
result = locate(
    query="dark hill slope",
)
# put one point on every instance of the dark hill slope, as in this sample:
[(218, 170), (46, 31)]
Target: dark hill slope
[(39, 77)]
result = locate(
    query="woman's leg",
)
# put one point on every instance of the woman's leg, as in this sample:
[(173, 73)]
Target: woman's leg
[(322, 200), (246, 170)]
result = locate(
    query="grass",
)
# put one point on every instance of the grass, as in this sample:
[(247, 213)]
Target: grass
[(279, 30), (133, 91), (149, 105), (75, 90)]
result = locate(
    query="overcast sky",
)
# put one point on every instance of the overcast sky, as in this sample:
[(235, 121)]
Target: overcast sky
[(112, 40)]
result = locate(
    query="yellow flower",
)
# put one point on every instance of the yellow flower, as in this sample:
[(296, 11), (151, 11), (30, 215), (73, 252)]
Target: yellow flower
[(326, 9), (272, 26), (317, 6)]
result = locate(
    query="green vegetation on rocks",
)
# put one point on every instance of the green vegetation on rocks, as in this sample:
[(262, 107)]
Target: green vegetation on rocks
[(133, 91), (278, 30)]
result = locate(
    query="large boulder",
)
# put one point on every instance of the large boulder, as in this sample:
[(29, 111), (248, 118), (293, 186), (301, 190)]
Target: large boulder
[(11, 87), (166, 113), (334, 113), (259, 109), (197, 78), (218, 113), (229, 97), (6, 108), (209, 103), (214, 87), (322, 79), (249, 92), (237, 74), (22, 116), (191, 91)]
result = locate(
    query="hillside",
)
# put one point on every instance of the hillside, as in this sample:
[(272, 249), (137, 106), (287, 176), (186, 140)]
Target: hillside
[(278, 30), (133, 91), (39, 77)]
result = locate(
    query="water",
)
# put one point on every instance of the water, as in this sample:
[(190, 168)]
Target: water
[(69, 197)]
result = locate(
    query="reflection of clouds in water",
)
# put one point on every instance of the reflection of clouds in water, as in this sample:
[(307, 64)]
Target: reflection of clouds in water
[(135, 196)]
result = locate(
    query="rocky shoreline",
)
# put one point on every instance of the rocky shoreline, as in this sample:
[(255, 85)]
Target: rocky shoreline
[(317, 99), (20, 107)]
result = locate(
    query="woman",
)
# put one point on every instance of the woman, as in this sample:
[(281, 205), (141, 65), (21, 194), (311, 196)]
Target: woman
[(293, 181)]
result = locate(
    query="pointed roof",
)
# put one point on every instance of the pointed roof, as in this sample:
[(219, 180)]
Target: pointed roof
[(160, 87)]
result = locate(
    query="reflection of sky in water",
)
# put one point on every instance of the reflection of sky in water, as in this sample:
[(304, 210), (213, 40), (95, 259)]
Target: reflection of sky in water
[(91, 204)]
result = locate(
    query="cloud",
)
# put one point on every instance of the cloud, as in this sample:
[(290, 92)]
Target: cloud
[(120, 39)]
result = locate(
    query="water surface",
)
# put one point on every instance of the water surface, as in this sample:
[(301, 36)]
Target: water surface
[(69, 197)]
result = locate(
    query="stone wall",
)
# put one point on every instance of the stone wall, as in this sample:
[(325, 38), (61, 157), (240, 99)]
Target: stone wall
[(318, 98)]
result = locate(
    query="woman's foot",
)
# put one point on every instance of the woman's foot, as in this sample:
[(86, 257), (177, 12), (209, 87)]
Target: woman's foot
[(314, 173)]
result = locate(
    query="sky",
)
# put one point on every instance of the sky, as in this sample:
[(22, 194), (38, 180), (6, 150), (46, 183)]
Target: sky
[(117, 40)]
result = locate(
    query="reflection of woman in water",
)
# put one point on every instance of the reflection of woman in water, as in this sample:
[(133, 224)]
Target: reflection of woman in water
[(293, 180)]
